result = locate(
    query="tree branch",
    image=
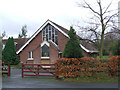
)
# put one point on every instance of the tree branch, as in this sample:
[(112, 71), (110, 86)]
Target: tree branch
[(89, 7), (107, 7), (110, 18)]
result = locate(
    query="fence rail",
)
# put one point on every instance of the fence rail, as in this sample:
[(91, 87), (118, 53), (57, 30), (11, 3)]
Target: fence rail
[(38, 70), (6, 68)]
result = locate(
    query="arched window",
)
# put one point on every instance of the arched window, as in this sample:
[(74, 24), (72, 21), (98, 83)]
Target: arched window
[(45, 50)]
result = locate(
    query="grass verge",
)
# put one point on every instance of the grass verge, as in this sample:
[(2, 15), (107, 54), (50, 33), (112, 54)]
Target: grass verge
[(105, 57), (19, 66), (92, 80)]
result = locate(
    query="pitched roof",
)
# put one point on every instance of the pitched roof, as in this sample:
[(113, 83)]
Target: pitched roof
[(88, 46), (38, 31), (61, 29), (19, 42), (85, 45)]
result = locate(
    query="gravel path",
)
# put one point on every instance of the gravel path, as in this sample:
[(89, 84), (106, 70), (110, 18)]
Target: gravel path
[(16, 81)]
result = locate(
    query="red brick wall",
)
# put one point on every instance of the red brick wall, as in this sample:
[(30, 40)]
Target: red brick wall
[(62, 40), (53, 54), (84, 53), (34, 46)]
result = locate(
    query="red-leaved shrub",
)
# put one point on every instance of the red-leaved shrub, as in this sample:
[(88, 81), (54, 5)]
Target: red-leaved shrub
[(86, 66), (113, 67)]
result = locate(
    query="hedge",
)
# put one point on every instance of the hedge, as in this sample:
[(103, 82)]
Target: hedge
[(86, 66), (113, 66)]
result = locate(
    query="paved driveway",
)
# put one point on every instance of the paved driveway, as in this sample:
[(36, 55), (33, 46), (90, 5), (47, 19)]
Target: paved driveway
[(16, 81)]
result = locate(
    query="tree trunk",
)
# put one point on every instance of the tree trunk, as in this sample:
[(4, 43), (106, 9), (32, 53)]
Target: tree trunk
[(103, 30), (102, 40), (101, 46)]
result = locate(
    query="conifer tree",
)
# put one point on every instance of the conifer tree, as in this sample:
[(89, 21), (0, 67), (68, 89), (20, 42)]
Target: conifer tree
[(9, 52), (72, 48)]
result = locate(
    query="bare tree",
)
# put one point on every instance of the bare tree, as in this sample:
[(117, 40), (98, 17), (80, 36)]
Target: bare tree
[(4, 34), (23, 33), (100, 24)]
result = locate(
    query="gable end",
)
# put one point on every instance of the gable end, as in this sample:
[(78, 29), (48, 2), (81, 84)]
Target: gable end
[(38, 31)]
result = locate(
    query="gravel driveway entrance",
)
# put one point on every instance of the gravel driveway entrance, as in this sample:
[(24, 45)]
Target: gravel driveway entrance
[(16, 81)]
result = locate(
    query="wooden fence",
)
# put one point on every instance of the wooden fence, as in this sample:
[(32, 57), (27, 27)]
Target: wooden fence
[(6, 68), (38, 70)]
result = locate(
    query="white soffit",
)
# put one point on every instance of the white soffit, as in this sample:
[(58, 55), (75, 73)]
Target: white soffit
[(87, 49)]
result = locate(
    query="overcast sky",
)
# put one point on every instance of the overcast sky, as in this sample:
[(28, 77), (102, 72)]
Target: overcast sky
[(16, 13)]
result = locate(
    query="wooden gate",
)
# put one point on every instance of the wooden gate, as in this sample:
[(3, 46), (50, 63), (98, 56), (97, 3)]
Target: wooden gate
[(38, 70)]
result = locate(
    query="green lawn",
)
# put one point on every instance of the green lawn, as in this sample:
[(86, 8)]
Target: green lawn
[(101, 78), (105, 57), (19, 66)]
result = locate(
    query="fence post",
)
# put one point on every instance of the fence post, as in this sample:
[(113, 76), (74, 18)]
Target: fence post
[(37, 70), (8, 68), (22, 70)]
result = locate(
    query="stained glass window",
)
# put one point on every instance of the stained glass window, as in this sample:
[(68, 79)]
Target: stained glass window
[(50, 33)]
